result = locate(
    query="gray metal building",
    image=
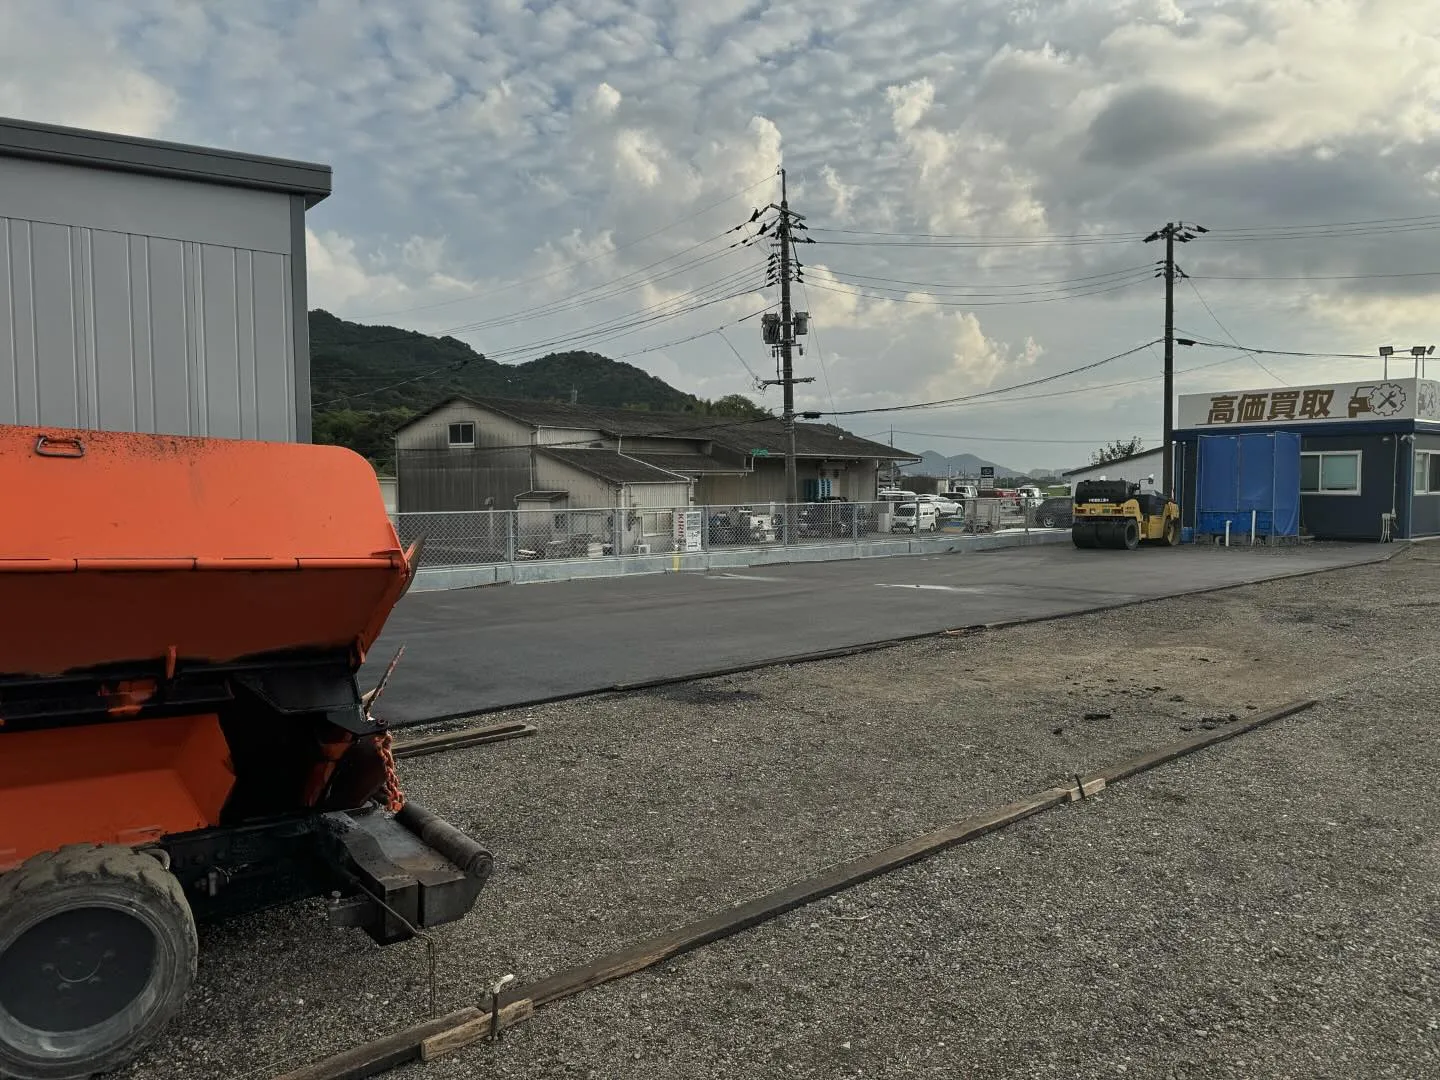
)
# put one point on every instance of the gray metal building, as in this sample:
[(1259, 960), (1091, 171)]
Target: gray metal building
[(153, 286)]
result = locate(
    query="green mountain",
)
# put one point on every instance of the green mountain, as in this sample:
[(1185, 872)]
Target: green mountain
[(366, 381)]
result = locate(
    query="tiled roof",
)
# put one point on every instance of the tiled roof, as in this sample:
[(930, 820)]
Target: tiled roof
[(688, 464), (610, 465), (744, 436)]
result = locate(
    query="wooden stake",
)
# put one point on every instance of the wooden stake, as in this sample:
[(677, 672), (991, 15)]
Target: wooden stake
[(471, 1031)]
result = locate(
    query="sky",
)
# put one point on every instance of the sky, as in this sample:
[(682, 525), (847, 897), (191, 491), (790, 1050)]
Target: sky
[(977, 175)]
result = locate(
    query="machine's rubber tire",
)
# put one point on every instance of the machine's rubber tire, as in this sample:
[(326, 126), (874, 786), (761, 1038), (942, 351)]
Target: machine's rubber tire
[(68, 916), (1172, 532), (1083, 536), (1130, 536)]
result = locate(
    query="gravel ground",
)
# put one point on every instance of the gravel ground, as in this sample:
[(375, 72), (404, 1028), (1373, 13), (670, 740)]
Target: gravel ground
[(1262, 909)]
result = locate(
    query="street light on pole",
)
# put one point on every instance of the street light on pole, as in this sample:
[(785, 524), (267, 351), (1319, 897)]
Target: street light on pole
[(1387, 351), (1419, 352)]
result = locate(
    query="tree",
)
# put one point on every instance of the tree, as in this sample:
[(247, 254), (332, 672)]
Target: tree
[(1114, 451), (737, 405)]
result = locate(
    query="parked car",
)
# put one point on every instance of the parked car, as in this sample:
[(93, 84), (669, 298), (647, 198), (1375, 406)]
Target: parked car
[(1030, 496), (835, 517), (1055, 513), (742, 525), (894, 495), (915, 517), (944, 505)]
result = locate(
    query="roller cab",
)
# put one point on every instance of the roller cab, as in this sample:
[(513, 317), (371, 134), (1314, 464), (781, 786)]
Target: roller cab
[(181, 732)]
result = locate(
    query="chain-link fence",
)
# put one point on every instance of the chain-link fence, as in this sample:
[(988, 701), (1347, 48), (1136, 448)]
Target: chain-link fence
[(471, 537)]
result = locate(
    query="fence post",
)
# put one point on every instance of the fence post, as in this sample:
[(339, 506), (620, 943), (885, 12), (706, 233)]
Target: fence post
[(511, 527)]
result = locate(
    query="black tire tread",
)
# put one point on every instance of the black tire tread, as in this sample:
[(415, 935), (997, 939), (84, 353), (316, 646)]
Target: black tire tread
[(91, 864)]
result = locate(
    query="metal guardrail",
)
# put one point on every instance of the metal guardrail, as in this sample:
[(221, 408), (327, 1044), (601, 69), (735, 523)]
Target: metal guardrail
[(483, 537)]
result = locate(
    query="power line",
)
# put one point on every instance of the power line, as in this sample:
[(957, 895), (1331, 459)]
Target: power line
[(998, 239), (1330, 224), (819, 352), (1025, 285), (1000, 438), (696, 337), (581, 262), (1276, 352), (1312, 277), (999, 390), (599, 293), (1076, 295), (755, 379), (1225, 330)]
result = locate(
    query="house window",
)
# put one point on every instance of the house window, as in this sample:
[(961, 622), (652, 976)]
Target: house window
[(1427, 472), (462, 434), (1330, 472)]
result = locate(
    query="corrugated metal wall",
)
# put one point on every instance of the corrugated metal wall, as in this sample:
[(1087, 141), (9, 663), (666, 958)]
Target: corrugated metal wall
[(433, 475), (585, 490), (136, 303), (660, 495)]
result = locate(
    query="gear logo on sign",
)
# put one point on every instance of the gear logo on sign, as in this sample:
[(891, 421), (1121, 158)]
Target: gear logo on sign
[(1387, 399)]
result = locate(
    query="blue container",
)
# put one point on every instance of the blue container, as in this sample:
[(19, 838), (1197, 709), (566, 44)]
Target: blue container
[(1187, 535)]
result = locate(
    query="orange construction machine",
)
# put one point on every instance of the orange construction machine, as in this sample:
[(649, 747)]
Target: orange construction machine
[(181, 733)]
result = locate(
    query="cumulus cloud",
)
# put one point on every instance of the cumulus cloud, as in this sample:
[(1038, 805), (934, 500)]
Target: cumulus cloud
[(499, 159), (53, 69)]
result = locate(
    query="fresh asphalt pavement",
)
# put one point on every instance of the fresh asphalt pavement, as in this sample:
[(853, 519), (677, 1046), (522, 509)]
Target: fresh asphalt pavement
[(470, 650)]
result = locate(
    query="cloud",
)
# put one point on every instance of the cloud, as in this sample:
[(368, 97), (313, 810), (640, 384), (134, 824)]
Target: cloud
[(529, 167), (54, 69)]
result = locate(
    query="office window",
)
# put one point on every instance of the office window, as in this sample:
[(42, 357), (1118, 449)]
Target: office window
[(462, 434), (1330, 472), (1427, 472)]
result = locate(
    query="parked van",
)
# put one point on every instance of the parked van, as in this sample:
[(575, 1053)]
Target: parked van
[(915, 517), (962, 493), (894, 495)]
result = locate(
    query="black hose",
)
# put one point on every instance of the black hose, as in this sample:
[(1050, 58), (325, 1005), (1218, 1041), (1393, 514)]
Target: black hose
[(472, 859)]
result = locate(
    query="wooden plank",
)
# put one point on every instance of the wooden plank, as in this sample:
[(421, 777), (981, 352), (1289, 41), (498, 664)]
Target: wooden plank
[(455, 740), (382, 1054), (472, 1031), (445, 1034), (1188, 746), (655, 950)]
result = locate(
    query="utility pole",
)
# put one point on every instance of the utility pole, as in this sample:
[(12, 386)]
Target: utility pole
[(787, 344), (782, 330), (1172, 232)]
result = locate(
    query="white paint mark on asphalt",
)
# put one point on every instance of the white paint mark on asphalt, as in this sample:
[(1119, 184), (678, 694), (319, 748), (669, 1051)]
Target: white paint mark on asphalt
[(746, 577), (937, 588)]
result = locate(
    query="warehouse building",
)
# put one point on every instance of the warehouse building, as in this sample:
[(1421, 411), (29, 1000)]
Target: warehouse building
[(152, 286), (1369, 455), (1144, 468)]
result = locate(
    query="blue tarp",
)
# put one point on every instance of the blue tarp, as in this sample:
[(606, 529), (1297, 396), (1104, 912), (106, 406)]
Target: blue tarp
[(1241, 474)]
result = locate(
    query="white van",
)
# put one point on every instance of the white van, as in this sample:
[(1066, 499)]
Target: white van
[(906, 515)]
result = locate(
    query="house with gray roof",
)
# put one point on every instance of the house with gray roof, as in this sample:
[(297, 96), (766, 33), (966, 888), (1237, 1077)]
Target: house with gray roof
[(503, 454)]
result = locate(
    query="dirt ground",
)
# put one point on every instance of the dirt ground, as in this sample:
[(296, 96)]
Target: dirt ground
[(1263, 909)]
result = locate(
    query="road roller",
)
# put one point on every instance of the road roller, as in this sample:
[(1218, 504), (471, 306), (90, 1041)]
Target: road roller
[(1117, 514), (182, 737)]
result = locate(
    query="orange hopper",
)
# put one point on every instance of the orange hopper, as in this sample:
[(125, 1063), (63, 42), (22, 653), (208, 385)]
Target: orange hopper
[(118, 547)]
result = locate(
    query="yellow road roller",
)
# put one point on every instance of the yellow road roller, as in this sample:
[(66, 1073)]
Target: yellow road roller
[(1117, 514)]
